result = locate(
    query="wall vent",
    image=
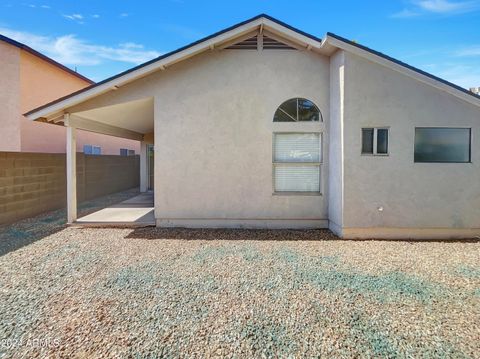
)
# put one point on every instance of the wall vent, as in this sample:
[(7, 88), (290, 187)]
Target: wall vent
[(248, 44), (268, 44)]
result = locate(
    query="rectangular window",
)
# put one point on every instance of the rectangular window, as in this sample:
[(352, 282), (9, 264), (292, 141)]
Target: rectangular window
[(131, 152), (296, 162), (123, 152), (437, 144), (87, 149), (96, 150), (375, 141)]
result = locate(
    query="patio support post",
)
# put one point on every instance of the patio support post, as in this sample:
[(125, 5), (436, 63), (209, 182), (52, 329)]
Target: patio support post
[(143, 167), (71, 171)]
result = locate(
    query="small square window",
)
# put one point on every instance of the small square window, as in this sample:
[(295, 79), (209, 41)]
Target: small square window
[(131, 152), (123, 152), (375, 141)]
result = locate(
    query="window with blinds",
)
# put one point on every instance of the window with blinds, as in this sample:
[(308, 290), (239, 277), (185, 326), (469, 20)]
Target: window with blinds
[(296, 162)]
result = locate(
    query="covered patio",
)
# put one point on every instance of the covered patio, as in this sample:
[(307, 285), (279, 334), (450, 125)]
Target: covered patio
[(134, 212), (131, 120), (119, 116)]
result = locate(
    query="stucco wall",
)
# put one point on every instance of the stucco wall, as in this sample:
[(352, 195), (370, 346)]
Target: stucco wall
[(213, 135), (413, 195), (9, 99), (335, 181)]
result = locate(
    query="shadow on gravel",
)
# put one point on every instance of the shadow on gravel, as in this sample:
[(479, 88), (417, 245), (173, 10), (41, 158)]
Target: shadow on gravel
[(264, 235), (27, 231), (232, 234)]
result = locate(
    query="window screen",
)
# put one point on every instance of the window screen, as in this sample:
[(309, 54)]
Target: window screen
[(297, 178), (382, 141), (375, 141), (367, 140), (297, 158), (297, 147), (435, 144)]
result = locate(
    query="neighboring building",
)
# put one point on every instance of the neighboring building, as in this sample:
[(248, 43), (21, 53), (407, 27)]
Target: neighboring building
[(29, 79), (263, 125)]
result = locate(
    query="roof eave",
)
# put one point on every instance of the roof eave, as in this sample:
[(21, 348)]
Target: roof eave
[(162, 62), (334, 41), (328, 46), (44, 57)]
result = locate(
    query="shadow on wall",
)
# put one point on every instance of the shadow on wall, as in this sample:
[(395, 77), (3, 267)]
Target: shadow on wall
[(30, 230), (212, 234)]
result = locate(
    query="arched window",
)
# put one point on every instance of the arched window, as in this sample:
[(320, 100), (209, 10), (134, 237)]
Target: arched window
[(297, 109)]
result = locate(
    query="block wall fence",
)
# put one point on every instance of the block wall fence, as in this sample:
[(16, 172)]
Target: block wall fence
[(32, 183)]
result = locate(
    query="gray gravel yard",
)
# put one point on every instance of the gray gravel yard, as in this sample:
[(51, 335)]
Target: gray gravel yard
[(146, 293)]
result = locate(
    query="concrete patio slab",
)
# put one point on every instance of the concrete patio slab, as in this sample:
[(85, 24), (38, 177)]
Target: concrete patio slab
[(134, 212)]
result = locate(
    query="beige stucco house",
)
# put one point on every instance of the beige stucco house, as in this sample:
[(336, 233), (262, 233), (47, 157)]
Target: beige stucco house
[(263, 125), (30, 79)]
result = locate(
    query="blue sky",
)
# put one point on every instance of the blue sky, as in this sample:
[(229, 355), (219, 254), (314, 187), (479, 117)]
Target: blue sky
[(101, 38)]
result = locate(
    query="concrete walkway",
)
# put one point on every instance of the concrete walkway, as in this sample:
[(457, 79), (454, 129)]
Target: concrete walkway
[(134, 212)]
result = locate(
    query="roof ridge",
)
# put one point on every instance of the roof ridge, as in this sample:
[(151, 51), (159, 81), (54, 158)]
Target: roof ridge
[(161, 57), (230, 28)]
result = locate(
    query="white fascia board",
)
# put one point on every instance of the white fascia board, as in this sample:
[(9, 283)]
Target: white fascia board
[(290, 34), (330, 41), (60, 106)]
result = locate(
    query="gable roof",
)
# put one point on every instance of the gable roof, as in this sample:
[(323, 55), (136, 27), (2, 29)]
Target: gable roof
[(161, 61), (43, 57), (381, 55), (328, 45)]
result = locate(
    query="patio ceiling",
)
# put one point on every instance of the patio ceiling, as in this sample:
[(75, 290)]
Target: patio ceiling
[(136, 116)]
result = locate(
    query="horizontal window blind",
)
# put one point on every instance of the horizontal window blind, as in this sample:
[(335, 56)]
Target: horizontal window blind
[(297, 178), (297, 158), (297, 147)]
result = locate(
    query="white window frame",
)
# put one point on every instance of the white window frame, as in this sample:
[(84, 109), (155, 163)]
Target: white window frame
[(293, 164), (443, 127), (375, 131)]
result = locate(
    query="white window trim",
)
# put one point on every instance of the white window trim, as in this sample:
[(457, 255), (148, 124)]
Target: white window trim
[(313, 164), (375, 130), (444, 127)]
